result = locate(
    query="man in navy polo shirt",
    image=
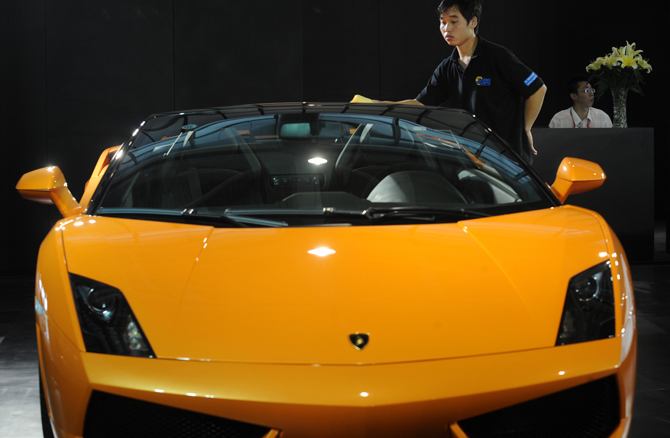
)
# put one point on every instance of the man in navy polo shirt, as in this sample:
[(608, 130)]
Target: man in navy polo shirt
[(484, 78)]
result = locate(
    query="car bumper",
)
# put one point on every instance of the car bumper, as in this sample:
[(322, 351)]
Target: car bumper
[(400, 399)]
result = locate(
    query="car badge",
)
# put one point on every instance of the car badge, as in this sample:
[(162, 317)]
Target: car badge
[(359, 340)]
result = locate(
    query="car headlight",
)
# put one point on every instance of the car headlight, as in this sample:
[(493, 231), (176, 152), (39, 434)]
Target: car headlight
[(107, 322), (588, 313)]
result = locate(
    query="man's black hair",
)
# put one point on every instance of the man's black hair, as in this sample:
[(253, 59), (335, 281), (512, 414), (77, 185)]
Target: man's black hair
[(572, 85), (468, 9)]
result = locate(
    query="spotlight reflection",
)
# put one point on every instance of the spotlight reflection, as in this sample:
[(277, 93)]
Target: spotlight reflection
[(322, 251)]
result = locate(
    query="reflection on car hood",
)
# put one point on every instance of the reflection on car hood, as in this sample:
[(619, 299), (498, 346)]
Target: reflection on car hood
[(421, 292)]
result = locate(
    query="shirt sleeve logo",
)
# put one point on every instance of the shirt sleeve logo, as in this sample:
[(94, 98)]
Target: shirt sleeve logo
[(483, 82), (530, 79)]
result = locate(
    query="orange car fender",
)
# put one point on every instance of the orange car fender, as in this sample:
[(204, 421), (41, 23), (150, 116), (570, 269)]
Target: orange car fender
[(626, 330), (53, 291), (59, 339)]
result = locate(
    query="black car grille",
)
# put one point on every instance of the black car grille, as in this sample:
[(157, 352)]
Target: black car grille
[(113, 416), (586, 411)]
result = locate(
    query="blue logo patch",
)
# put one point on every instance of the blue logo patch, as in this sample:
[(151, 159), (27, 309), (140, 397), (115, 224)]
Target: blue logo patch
[(530, 79), (483, 82)]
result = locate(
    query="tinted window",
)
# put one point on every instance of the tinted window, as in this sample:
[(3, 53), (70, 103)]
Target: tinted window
[(318, 167)]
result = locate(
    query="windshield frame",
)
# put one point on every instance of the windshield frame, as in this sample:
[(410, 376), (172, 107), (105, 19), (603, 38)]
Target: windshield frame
[(414, 115)]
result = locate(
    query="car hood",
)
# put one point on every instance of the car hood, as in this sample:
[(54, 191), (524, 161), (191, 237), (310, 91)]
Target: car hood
[(420, 292)]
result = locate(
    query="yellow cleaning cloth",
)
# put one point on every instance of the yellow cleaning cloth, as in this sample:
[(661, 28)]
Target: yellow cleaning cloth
[(360, 99)]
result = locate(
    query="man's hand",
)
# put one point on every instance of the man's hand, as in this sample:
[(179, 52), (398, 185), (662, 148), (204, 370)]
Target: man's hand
[(530, 141)]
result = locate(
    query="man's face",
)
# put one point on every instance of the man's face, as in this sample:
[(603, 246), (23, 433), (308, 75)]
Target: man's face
[(455, 28), (585, 94)]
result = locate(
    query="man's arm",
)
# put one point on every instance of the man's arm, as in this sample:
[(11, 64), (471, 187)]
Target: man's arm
[(533, 107), (362, 99), (410, 102), (404, 102)]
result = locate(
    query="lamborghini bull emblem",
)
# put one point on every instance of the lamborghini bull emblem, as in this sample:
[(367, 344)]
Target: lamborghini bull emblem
[(359, 340)]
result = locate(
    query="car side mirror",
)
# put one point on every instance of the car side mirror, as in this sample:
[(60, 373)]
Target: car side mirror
[(47, 186), (575, 175)]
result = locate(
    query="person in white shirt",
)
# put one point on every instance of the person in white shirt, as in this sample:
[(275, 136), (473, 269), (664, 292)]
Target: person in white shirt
[(581, 114)]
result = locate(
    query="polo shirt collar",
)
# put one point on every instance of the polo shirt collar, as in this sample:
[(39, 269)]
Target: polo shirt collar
[(481, 46)]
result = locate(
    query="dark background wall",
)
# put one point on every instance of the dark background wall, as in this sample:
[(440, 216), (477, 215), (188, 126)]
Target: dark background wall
[(78, 76)]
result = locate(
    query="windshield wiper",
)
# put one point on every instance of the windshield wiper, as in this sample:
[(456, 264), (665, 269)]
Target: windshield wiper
[(372, 214), (232, 219), (405, 211), (189, 215)]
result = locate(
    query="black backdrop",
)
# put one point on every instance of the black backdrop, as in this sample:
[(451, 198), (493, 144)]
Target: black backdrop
[(78, 76)]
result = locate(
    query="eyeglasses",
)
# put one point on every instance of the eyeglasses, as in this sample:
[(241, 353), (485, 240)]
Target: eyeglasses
[(590, 90)]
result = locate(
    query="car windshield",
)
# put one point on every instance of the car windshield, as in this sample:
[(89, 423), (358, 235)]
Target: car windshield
[(314, 165)]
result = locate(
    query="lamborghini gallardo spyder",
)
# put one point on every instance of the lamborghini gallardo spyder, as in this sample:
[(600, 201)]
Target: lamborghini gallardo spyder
[(329, 270)]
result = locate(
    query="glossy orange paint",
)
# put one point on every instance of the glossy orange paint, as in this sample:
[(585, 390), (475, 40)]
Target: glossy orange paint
[(210, 280), (98, 172), (404, 399), (577, 176), (59, 338), (48, 186), (240, 333), (195, 302)]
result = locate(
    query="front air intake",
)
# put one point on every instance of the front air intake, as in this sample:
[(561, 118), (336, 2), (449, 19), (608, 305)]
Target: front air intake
[(113, 416), (586, 411)]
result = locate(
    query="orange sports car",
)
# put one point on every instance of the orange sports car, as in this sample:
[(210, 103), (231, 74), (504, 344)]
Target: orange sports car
[(329, 270)]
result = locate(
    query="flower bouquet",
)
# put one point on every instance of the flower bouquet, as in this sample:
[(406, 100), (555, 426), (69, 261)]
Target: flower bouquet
[(619, 72)]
